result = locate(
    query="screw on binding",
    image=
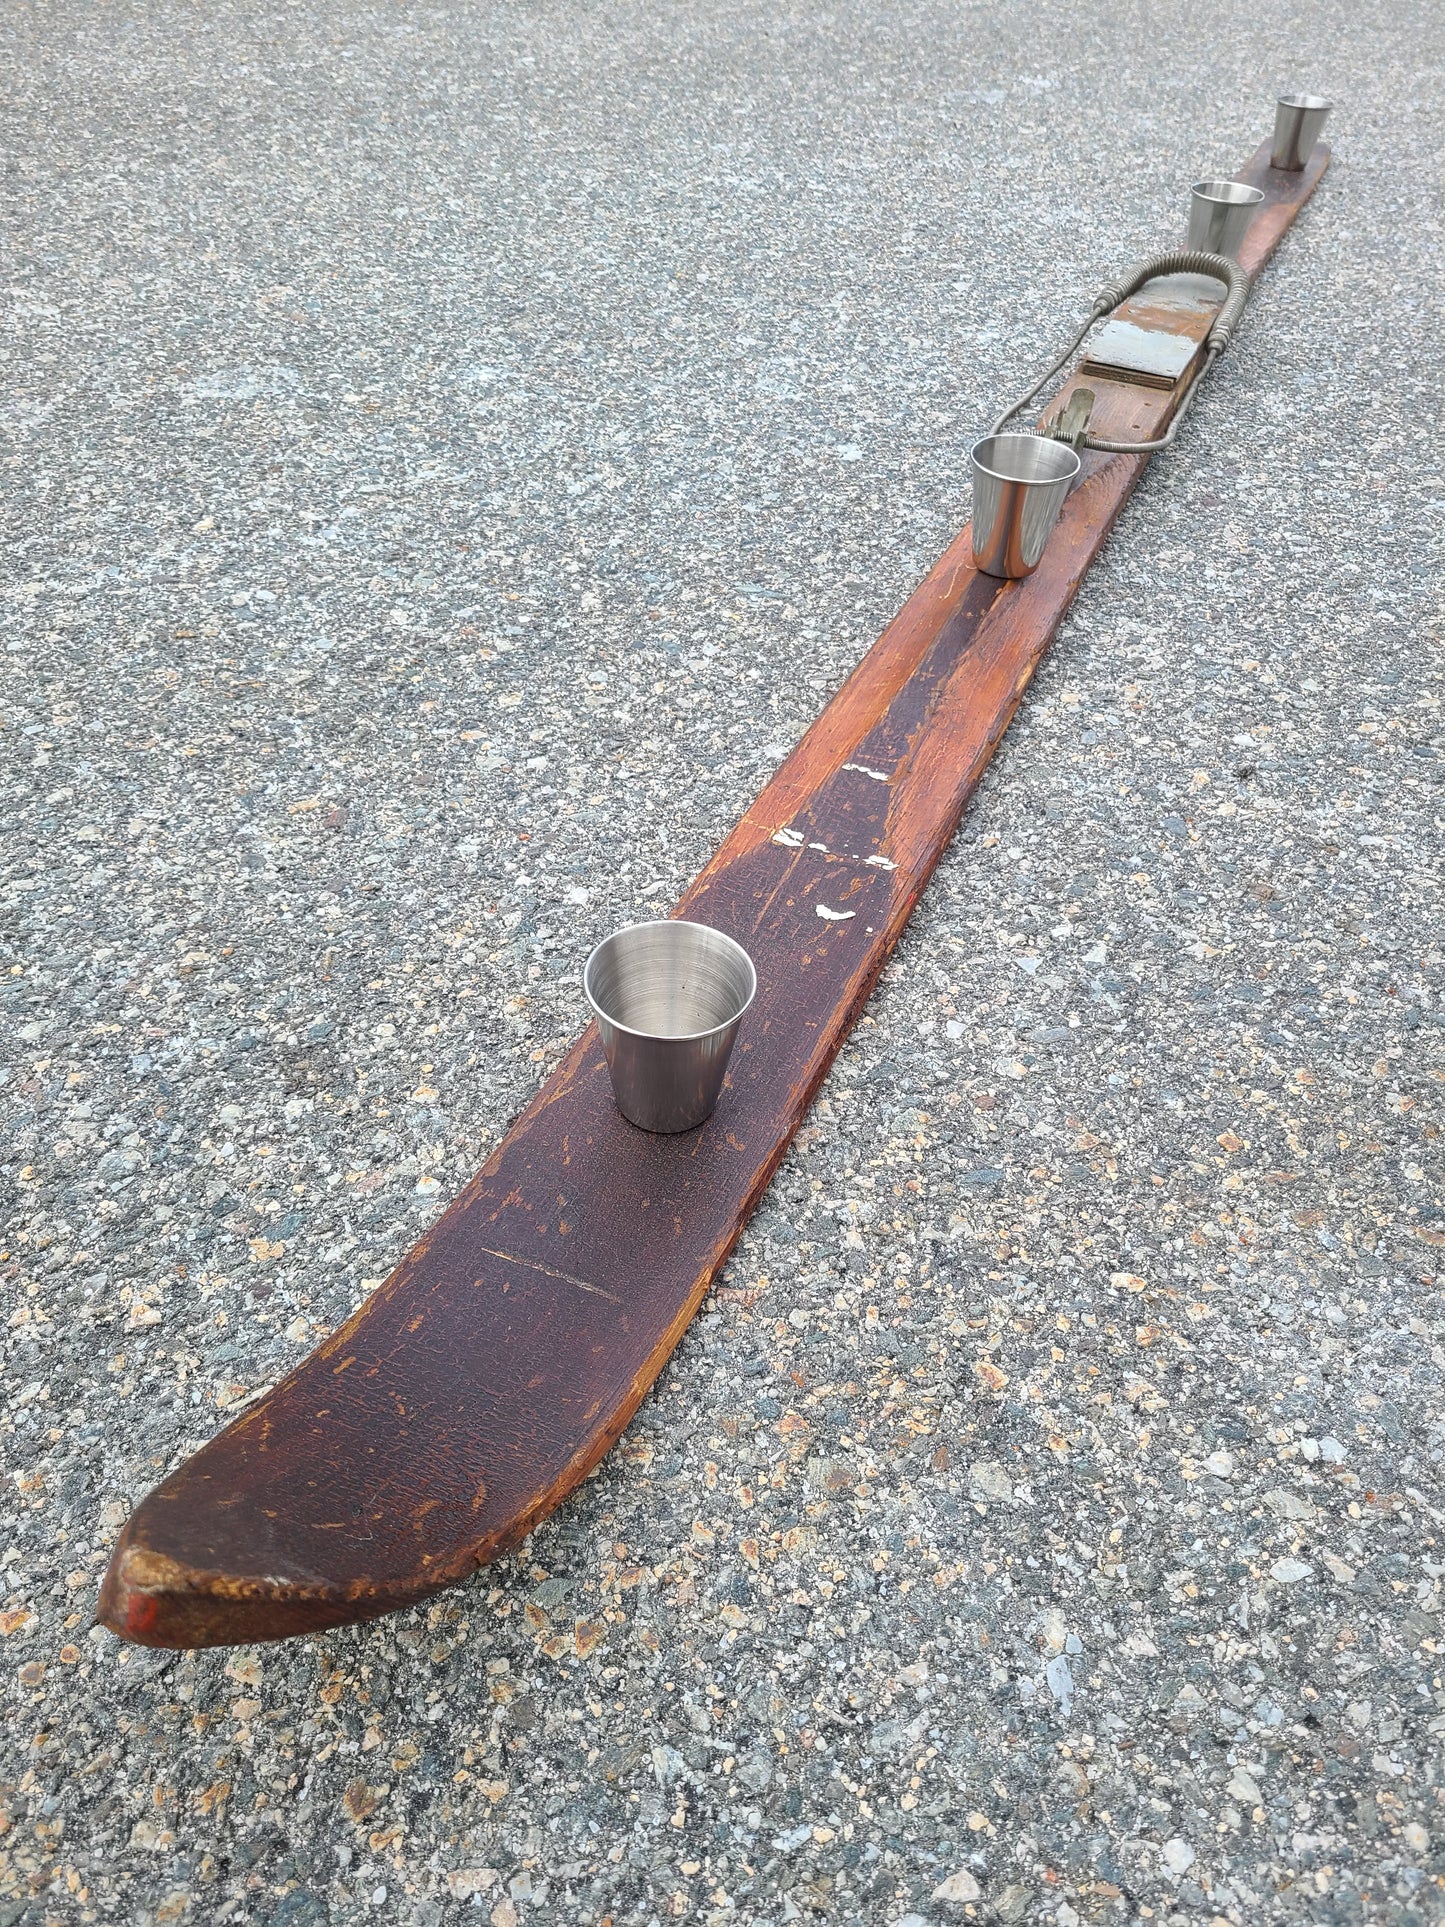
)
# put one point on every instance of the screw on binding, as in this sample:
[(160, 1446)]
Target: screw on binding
[(1021, 479)]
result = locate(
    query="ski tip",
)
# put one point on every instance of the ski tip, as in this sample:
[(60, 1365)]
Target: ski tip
[(152, 1599)]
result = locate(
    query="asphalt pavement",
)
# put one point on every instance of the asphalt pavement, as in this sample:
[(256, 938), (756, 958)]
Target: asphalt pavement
[(451, 453)]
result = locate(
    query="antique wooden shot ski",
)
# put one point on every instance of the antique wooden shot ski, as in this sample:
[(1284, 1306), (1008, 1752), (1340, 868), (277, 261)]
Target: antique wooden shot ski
[(507, 1352)]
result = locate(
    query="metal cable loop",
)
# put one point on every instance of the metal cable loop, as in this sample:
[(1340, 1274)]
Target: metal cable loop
[(1218, 267), (1046, 377)]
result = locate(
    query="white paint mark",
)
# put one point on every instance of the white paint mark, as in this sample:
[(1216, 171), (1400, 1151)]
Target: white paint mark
[(863, 770), (793, 839), (833, 916)]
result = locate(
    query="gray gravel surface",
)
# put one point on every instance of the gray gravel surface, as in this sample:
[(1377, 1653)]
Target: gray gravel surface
[(452, 453)]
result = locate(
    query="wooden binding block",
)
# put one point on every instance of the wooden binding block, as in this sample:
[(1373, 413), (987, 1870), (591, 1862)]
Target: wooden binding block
[(500, 1360)]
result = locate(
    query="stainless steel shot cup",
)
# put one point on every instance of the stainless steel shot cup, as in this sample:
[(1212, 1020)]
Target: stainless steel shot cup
[(1298, 123), (1019, 486), (1219, 215), (668, 998)]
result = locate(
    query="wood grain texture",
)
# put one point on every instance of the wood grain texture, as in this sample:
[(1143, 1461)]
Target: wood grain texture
[(508, 1351)]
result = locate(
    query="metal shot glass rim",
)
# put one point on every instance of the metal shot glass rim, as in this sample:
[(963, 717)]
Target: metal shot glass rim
[(1025, 435), (669, 1036), (1306, 103), (1240, 193)]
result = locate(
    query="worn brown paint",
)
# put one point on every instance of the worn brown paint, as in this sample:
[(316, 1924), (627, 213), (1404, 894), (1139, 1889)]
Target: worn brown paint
[(504, 1356)]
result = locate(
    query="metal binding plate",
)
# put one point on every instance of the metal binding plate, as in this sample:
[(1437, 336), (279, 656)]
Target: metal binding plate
[(1154, 358)]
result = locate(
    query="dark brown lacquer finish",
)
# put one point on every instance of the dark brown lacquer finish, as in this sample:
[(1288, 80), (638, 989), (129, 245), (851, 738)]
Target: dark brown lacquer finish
[(495, 1366)]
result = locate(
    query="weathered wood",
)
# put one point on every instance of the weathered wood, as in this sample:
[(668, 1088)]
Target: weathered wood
[(507, 1352)]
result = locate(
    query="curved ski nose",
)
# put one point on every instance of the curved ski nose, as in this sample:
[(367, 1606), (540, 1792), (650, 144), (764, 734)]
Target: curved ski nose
[(154, 1600), (375, 1475)]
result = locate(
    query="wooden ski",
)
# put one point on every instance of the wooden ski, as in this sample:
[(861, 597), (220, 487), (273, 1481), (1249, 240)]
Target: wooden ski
[(500, 1360)]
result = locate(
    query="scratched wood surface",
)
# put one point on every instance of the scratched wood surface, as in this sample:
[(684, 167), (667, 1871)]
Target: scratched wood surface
[(482, 1381)]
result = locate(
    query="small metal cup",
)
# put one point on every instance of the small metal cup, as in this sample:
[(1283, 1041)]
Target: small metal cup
[(668, 998), (1019, 486), (1298, 122), (1219, 215)]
